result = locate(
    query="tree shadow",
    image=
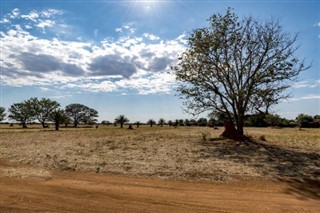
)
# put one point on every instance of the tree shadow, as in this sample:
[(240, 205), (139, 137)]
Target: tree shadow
[(301, 170)]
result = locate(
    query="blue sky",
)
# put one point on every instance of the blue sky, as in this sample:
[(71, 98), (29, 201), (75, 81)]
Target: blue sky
[(114, 56)]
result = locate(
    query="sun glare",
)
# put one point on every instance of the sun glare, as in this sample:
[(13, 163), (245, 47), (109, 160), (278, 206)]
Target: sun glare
[(148, 7)]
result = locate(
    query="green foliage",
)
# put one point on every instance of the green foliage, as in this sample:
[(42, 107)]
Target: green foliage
[(121, 119), (161, 122), (59, 117), (235, 66), (151, 122), (304, 118), (202, 122), (43, 108), (79, 113), (22, 112)]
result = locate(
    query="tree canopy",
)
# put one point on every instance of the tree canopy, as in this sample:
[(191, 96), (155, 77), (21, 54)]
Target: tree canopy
[(43, 108), (121, 119), (235, 66), (80, 113), (22, 112)]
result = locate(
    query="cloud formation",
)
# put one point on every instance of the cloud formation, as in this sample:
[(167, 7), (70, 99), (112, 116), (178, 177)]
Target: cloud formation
[(126, 63)]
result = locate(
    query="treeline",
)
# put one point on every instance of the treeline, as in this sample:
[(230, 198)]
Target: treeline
[(47, 111)]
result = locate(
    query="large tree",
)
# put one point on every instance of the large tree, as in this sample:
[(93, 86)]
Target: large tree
[(43, 108), (235, 66), (79, 113), (2, 113), (121, 119), (22, 112)]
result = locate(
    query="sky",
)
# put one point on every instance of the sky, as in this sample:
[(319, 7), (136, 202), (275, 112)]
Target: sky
[(115, 56)]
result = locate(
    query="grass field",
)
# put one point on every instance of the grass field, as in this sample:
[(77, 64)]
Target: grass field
[(163, 152)]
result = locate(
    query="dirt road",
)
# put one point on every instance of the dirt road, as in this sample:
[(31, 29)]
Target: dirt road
[(87, 192)]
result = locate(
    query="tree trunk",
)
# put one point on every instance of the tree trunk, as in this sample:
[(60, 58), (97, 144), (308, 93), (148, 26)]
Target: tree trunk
[(43, 125), (240, 125), (24, 125), (121, 125), (57, 125)]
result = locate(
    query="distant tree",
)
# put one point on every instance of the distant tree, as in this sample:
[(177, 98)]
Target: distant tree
[(273, 120), (121, 119), (170, 123), (151, 122), (202, 122), (161, 122), (58, 116), (212, 122), (187, 122), (90, 117), (43, 108), (22, 112), (193, 122), (2, 113), (257, 120), (138, 123), (104, 122), (181, 122), (237, 66), (316, 117), (80, 113), (302, 118)]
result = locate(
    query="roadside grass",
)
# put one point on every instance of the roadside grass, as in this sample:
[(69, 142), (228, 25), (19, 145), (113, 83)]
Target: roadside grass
[(166, 152)]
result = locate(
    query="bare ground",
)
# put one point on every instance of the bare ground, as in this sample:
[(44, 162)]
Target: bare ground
[(89, 192), (117, 170)]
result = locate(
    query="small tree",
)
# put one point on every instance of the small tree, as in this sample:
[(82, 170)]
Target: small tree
[(121, 119), (2, 113), (151, 122), (138, 123), (22, 112), (105, 123), (161, 122), (59, 117), (236, 66)]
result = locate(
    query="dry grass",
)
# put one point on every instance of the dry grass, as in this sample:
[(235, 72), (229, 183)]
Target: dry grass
[(185, 152)]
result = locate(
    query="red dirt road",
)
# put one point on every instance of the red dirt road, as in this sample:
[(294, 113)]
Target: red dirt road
[(86, 192)]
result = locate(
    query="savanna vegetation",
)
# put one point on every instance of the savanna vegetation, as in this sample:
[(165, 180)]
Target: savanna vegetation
[(237, 66)]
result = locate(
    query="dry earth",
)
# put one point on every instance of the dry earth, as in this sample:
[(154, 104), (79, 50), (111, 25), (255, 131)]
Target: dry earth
[(117, 170)]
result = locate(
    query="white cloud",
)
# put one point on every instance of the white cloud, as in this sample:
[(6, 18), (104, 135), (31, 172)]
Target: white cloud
[(46, 23), (306, 97), (151, 37), (32, 16), (317, 24), (4, 20), (307, 84), (129, 63), (15, 13)]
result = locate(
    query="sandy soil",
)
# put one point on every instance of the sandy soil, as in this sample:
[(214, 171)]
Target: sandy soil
[(158, 170), (89, 192)]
